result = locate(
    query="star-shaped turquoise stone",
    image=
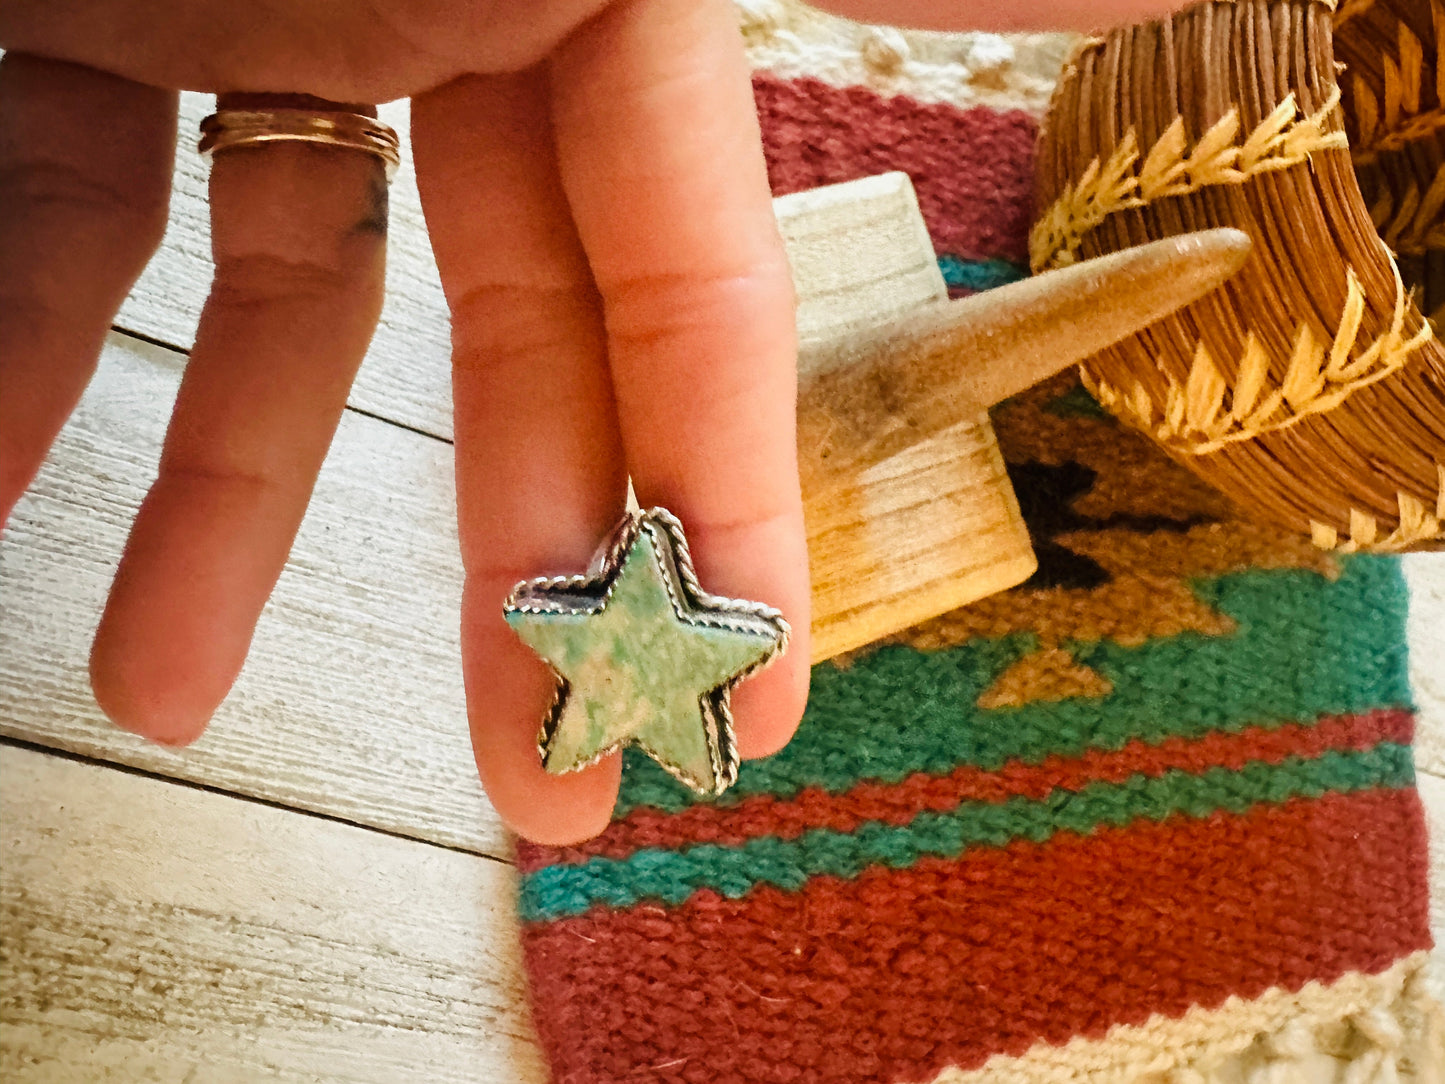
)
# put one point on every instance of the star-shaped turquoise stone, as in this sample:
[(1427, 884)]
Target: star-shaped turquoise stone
[(643, 656)]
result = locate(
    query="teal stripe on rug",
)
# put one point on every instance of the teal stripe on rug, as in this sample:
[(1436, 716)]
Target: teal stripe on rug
[(979, 274), (672, 876), (1305, 647)]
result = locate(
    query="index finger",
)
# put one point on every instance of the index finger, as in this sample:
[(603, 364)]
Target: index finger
[(661, 158)]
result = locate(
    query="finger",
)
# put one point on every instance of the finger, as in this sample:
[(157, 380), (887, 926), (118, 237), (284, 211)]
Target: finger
[(1003, 15), (298, 237), (345, 51), (540, 477), (85, 175), (661, 158)]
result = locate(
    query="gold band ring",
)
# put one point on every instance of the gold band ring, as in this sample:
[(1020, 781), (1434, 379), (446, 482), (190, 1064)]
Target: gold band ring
[(227, 128)]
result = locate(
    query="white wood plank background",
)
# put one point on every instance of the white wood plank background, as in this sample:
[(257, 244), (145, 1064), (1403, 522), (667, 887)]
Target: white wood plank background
[(163, 933), (351, 702)]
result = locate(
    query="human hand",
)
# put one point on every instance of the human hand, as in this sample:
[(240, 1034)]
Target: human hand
[(595, 193)]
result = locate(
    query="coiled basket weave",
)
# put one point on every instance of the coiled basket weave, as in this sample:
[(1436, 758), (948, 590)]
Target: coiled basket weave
[(1311, 387)]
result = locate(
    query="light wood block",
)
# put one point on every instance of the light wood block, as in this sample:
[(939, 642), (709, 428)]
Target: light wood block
[(918, 531), (351, 700), (158, 932)]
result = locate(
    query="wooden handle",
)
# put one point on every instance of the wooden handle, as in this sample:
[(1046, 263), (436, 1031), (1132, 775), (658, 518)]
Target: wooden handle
[(864, 396)]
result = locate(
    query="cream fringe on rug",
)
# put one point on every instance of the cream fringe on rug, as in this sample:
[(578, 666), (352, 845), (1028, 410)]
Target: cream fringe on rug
[(1362, 1029)]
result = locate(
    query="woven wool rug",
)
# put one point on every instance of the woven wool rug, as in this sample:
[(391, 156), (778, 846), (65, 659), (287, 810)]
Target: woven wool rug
[(1148, 817)]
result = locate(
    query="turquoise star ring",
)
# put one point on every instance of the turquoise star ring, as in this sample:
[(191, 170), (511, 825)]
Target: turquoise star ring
[(643, 655)]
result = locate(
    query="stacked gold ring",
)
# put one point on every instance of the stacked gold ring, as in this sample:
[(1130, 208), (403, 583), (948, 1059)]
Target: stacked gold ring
[(228, 128)]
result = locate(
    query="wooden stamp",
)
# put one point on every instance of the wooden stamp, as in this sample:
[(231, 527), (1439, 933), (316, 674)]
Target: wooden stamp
[(909, 510)]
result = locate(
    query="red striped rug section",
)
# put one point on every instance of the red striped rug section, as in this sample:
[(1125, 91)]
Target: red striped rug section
[(766, 815), (973, 169), (900, 973)]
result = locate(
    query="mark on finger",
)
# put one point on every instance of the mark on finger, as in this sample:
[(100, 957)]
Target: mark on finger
[(377, 207)]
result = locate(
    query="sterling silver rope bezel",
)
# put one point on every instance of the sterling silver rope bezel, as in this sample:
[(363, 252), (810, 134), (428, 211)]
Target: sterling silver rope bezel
[(590, 592)]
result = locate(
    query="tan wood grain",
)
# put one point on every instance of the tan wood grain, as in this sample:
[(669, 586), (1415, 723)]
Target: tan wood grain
[(351, 700), (907, 532), (883, 384), (158, 932)]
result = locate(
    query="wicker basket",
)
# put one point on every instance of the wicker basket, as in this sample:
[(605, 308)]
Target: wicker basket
[(1311, 387)]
